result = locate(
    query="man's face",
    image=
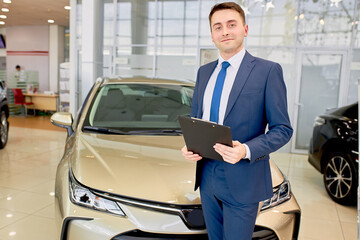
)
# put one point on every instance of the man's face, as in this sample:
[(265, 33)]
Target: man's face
[(228, 32)]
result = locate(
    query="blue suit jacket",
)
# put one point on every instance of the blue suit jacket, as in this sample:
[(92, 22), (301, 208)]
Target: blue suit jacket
[(257, 100)]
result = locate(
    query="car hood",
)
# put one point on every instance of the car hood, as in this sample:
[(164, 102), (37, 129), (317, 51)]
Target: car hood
[(143, 167), (348, 111)]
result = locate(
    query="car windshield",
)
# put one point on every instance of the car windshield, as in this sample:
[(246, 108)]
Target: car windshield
[(138, 109)]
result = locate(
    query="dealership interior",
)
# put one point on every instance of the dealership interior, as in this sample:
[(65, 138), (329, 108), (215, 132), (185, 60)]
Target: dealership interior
[(63, 46)]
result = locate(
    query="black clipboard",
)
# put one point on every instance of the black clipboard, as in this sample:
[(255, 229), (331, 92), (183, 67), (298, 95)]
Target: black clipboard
[(200, 136)]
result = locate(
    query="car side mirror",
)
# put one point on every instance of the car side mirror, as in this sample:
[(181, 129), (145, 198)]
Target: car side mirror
[(64, 120)]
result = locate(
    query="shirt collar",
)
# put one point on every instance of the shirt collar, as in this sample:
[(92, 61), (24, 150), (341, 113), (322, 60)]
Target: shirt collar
[(234, 61)]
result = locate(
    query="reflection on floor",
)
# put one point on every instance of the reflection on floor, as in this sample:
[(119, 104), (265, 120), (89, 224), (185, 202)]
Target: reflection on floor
[(38, 122), (27, 173)]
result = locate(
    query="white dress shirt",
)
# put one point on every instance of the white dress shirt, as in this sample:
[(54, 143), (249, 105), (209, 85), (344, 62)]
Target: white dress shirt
[(231, 72)]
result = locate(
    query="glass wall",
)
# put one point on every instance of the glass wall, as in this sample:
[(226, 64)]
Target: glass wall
[(321, 74), (271, 24), (150, 37), (142, 35), (163, 38), (325, 23)]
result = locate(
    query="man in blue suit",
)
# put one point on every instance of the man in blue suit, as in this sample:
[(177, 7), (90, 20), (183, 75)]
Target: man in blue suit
[(247, 94)]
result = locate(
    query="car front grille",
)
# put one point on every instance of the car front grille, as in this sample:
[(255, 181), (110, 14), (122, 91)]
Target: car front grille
[(139, 235), (192, 216), (264, 234), (260, 233)]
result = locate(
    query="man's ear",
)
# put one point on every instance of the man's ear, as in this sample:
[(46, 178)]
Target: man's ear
[(246, 30)]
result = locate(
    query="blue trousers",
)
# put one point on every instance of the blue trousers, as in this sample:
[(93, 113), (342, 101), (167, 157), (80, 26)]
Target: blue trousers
[(225, 218)]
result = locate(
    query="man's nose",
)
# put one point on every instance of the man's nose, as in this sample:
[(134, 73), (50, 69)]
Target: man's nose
[(225, 31)]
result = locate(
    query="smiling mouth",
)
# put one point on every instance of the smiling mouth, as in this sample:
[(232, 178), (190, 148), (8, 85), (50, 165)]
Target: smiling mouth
[(226, 40)]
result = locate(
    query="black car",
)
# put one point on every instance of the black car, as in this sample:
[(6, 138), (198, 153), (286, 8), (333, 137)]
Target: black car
[(334, 152), (4, 115)]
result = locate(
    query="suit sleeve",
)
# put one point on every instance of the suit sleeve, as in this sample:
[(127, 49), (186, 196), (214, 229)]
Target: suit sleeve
[(280, 130)]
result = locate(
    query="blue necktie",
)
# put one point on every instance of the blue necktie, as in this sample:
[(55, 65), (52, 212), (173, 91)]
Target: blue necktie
[(215, 102)]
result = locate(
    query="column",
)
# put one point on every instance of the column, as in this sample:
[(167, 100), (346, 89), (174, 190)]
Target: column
[(56, 54), (92, 44), (139, 25)]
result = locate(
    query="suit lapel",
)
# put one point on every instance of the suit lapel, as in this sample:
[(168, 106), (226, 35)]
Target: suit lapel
[(242, 76), (204, 76)]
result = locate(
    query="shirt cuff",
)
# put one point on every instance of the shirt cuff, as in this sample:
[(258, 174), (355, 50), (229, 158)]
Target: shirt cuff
[(248, 153)]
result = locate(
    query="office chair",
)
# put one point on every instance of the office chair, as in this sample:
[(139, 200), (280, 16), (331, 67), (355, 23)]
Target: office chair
[(20, 100)]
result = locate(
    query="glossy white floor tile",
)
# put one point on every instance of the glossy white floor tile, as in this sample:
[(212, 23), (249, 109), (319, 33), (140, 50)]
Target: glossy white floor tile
[(27, 175), (30, 227), (27, 178)]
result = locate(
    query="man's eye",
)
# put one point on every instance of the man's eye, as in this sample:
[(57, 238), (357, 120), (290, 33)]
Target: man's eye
[(217, 28), (232, 25)]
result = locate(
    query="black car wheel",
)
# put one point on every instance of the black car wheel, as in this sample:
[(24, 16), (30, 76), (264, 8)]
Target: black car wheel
[(4, 129), (340, 179)]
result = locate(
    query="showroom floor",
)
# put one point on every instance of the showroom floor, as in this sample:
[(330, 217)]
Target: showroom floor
[(27, 173)]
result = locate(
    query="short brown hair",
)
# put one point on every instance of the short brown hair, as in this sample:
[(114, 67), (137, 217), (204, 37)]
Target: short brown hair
[(227, 5)]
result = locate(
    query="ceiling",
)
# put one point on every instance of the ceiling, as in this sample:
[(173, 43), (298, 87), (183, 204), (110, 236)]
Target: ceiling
[(35, 12)]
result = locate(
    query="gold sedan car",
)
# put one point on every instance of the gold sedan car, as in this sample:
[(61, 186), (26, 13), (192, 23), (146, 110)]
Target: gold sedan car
[(123, 177)]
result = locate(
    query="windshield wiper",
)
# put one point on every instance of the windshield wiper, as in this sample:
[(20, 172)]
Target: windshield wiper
[(105, 130), (158, 132)]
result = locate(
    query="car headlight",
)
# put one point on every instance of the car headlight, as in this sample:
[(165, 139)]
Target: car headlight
[(82, 196), (319, 121), (281, 194)]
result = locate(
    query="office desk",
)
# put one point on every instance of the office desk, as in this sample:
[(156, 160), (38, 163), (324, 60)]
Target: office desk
[(46, 102)]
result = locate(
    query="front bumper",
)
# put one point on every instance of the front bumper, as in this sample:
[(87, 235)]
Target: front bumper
[(155, 225), (76, 222)]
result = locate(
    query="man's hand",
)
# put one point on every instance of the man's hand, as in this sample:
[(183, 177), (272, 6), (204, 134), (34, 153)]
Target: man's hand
[(231, 154), (190, 155)]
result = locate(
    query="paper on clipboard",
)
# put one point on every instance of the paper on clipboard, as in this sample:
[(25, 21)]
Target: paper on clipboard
[(200, 136)]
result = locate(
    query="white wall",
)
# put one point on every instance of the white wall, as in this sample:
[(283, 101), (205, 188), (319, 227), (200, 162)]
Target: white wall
[(28, 46)]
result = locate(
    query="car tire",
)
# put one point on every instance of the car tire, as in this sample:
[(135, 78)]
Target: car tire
[(4, 129), (340, 178)]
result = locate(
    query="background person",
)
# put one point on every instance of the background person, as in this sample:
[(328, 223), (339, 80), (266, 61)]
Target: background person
[(19, 74), (247, 94)]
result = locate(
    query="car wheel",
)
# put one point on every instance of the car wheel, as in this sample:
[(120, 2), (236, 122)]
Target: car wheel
[(340, 178), (4, 129)]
